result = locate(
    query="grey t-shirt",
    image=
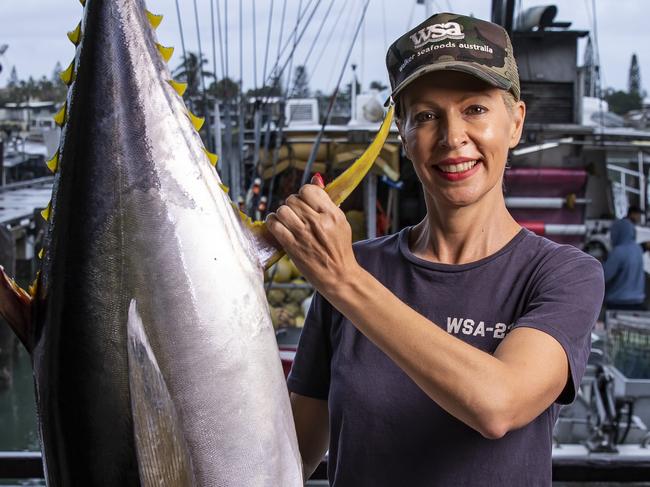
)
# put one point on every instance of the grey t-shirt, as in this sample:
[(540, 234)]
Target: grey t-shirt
[(384, 430)]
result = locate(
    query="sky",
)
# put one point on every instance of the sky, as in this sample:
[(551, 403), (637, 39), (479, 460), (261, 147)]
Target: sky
[(35, 31)]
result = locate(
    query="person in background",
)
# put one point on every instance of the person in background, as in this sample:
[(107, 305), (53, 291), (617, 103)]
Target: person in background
[(634, 214), (624, 274)]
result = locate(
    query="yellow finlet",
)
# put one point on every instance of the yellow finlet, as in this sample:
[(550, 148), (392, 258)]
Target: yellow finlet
[(46, 212), (213, 158), (196, 121), (165, 52), (224, 188), (53, 163), (41, 253), (75, 35), (34, 285), (59, 118), (154, 19), (82, 2), (67, 76), (179, 87)]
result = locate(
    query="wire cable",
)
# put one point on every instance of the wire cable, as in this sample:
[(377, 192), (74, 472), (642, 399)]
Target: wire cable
[(268, 42), (254, 47), (314, 150), (180, 28)]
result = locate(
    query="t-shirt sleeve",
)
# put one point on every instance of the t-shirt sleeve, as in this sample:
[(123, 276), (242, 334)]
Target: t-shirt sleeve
[(565, 302), (310, 373)]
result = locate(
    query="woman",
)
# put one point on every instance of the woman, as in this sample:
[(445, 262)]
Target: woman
[(440, 355)]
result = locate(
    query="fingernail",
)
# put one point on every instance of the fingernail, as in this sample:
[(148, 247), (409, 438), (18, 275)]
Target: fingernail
[(318, 179)]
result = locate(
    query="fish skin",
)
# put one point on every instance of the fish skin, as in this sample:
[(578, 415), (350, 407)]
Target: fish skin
[(138, 215)]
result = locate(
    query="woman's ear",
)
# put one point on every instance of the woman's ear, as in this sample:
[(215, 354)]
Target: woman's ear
[(518, 117)]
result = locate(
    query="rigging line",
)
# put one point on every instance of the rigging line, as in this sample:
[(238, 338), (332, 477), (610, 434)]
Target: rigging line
[(295, 43), (327, 43), (225, 28), (180, 28), (214, 42), (223, 66), (410, 20), (240, 109), (297, 39), (320, 29), (290, 57), (268, 41), (338, 55), (254, 47), (284, 9), (314, 149), (383, 22), (202, 77)]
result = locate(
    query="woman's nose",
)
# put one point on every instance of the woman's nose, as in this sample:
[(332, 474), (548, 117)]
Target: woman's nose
[(453, 133)]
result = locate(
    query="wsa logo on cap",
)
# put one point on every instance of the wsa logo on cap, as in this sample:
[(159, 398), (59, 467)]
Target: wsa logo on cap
[(436, 33)]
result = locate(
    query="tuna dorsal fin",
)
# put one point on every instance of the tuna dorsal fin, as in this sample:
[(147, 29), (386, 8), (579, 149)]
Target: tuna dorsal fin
[(15, 308), (163, 456), (269, 251)]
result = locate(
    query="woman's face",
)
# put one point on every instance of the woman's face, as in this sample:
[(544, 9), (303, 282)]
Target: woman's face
[(457, 131)]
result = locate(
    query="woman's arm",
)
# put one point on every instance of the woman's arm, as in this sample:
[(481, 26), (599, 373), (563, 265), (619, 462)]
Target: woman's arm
[(491, 393), (311, 417)]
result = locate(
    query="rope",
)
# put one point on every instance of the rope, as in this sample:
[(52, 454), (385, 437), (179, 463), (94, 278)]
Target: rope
[(254, 47), (320, 29), (180, 28), (314, 149), (200, 67), (268, 42)]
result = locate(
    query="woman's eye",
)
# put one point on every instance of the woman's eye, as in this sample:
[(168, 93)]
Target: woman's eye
[(425, 116), (476, 110)]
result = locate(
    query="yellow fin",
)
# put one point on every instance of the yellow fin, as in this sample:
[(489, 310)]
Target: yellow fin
[(179, 87), (165, 52), (75, 35), (213, 158), (41, 253), (46, 212), (224, 188), (82, 2), (53, 163), (67, 76), (59, 118), (154, 19), (339, 189), (196, 121)]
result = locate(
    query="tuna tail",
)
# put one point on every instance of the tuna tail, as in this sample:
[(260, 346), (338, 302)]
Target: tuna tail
[(269, 251), (163, 456), (15, 308)]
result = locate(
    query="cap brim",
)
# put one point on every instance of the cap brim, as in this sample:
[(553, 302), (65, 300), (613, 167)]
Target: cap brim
[(463, 67)]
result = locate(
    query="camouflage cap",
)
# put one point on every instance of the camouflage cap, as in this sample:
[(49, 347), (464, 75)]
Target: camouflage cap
[(453, 42)]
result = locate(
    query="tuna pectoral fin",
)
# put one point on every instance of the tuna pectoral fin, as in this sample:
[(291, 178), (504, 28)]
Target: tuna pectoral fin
[(163, 456), (339, 189), (15, 308)]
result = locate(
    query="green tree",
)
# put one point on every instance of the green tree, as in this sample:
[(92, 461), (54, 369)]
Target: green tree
[(621, 102), (300, 82), (223, 89), (190, 71)]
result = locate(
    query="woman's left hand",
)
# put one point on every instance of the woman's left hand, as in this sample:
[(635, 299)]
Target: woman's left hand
[(315, 234)]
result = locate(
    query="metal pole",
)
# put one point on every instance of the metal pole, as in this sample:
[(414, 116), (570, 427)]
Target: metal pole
[(370, 187), (3, 179), (217, 129), (642, 188)]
